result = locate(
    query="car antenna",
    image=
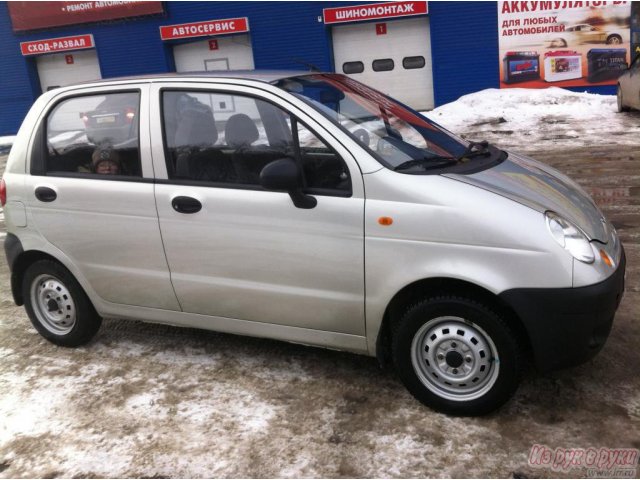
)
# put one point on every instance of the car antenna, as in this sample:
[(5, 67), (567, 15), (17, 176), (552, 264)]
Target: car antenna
[(311, 66)]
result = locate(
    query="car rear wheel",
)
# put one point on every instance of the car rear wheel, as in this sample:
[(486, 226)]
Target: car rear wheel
[(57, 305), (614, 40), (457, 356)]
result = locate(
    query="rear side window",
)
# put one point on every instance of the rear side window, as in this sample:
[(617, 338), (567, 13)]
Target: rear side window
[(95, 135)]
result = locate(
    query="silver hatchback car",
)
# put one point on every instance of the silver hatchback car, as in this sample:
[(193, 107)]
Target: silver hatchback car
[(310, 208)]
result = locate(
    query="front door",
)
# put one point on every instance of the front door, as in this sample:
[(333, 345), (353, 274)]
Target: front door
[(238, 251)]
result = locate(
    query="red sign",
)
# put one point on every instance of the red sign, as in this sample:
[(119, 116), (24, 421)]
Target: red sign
[(213, 44), (381, 28), (35, 15), (68, 59), (374, 11), (53, 45), (202, 29)]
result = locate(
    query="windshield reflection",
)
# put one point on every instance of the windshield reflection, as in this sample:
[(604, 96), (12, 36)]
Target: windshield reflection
[(392, 132)]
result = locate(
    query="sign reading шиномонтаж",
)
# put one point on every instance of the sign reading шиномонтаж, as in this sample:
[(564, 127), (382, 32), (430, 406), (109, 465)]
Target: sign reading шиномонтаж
[(374, 11), (53, 45), (206, 28)]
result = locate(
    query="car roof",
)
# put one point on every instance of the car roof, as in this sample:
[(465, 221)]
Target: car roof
[(266, 76)]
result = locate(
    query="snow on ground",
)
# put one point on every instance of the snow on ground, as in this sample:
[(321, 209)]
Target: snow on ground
[(528, 119), (6, 142)]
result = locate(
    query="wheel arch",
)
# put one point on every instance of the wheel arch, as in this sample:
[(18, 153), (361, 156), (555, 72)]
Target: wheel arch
[(19, 267), (437, 286)]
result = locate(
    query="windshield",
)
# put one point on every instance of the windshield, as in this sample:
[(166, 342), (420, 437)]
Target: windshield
[(392, 132)]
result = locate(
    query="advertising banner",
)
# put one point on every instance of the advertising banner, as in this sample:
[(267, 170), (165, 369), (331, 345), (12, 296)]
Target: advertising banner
[(635, 29), (563, 43), (37, 15)]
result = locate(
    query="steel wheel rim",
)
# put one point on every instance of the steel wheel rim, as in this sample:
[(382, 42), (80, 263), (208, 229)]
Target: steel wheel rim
[(53, 304), (455, 358)]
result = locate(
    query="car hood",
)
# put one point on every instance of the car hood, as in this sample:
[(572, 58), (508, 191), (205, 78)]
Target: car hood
[(542, 188)]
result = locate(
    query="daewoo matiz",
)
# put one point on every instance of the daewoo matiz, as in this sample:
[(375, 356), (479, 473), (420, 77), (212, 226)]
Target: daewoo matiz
[(309, 208)]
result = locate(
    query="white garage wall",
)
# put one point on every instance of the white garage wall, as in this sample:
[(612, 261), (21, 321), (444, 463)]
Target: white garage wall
[(404, 38), (54, 71), (233, 53)]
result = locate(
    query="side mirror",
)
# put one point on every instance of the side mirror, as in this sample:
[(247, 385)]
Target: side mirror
[(283, 175)]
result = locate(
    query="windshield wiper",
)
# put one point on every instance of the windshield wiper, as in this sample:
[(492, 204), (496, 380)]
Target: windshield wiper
[(475, 149), (428, 163)]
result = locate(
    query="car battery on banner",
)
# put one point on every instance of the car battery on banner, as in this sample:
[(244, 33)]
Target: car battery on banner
[(520, 67), (606, 63), (562, 65)]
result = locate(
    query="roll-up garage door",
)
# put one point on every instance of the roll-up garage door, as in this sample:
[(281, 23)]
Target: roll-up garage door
[(220, 53), (60, 69), (393, 57)]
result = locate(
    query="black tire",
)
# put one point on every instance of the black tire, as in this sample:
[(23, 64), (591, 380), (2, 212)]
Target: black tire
[(502, 378), (614, 40), (620, 101), (70, 319)]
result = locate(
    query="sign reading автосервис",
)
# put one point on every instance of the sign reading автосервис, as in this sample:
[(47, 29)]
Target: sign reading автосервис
[(562, 43), (53, 45), (373, 11), (206, 28)]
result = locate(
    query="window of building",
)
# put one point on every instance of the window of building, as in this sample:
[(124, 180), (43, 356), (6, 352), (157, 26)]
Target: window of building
[(413, 62), (383, 65), (353, 67)]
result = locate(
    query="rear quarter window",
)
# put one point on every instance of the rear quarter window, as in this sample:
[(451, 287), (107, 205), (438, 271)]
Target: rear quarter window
[(94, 135)]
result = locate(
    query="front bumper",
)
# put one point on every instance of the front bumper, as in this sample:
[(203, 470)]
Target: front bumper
[(568, 326)]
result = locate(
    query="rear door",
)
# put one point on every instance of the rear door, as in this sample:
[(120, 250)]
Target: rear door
[(91, 193), (238, 251)]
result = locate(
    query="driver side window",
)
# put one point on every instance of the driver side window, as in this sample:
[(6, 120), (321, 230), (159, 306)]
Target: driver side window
[(227, 139)]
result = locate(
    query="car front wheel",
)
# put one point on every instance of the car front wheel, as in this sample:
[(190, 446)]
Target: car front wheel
[(621, 107), (457, 356), (57, 305)]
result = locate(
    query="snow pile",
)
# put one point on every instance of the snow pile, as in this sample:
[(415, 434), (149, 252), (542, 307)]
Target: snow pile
[(530, 119), (5, 143)]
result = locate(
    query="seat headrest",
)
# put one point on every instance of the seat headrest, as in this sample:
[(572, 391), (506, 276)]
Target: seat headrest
[(196, 128), (240, 131)]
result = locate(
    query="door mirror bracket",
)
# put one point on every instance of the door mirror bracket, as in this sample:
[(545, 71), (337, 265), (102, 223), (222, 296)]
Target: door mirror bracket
[(283, 175)]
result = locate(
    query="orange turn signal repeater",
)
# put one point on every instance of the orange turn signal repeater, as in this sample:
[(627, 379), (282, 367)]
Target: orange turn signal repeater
[(606, 258), (385, 221)]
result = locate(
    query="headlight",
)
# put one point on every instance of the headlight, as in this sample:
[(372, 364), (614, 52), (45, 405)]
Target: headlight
[(570, 238)]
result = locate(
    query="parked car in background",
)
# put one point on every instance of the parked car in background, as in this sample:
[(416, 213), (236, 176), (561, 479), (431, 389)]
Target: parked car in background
[(112, 120), (310, 208), (628, 92)]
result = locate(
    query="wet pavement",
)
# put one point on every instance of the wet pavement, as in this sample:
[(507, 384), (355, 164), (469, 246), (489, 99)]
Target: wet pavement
[(148, 400)]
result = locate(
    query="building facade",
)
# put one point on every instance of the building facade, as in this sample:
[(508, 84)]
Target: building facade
[(424, 53)]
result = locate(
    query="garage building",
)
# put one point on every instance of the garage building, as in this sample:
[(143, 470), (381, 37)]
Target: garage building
[(423, 53)]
